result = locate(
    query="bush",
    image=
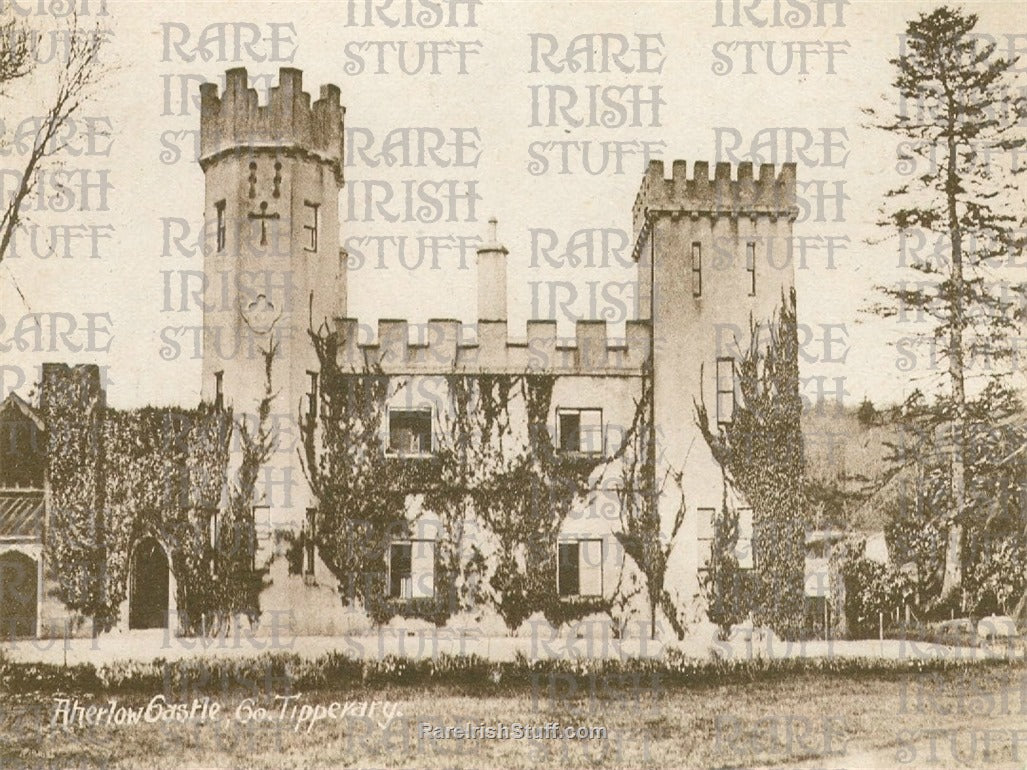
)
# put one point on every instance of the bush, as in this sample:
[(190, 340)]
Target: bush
[(284, 673), (995, 581), (867, 413), (872, 589)]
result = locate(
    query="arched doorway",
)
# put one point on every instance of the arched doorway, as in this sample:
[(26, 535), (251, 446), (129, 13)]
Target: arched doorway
[(148, 586), (18, 595)]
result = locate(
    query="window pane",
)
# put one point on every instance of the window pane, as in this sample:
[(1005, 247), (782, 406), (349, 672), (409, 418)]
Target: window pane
[(310, 535), (725, 407), (725, 375), (591, 430), (706, 518), (410, 431), (750, 264), (220, 207), (591, 568), (567, 569), (570, 431), (311, 226), (422, 569), (312, 395), (725, 390), (696, 269), (705, 549), (400, 555)]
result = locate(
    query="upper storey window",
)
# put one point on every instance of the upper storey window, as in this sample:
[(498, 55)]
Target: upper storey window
[(725, 390), (696, 269), (410, 431), (750, 266), (219, 207), (219, 390), (580, 430), (310, 224)]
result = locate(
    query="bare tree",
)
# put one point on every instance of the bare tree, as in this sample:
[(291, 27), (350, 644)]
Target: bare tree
[(15, 52), (78, 73)]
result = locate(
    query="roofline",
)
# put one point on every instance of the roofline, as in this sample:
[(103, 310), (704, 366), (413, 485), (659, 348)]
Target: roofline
[(25, 408)]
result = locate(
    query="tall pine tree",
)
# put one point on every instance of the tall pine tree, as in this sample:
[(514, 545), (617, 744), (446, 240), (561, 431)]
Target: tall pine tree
[(962, 126)]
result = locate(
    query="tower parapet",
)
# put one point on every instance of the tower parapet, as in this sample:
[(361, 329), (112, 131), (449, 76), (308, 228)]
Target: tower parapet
[(287, 123), (769, 194)]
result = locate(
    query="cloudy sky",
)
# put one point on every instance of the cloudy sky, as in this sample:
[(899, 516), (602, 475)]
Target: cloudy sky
[(488, 86)]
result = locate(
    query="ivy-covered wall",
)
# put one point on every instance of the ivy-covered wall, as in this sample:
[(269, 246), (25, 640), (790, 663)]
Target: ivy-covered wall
[(495, 494), (116, 477), (761, 455)]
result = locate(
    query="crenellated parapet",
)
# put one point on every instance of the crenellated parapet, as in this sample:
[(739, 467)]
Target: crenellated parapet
[(451, 347), (768, 194), (236, 121)]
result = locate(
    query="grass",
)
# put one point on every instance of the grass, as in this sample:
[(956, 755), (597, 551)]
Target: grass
[(765, 718)]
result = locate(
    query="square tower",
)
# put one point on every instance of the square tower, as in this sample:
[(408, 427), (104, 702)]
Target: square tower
[(714, 258)]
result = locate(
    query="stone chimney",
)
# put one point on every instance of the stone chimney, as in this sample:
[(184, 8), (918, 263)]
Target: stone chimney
[(492, 277)]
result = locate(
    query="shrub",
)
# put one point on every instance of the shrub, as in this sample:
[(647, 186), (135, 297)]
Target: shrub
[(995, 581), (872, 588), (283, 673)]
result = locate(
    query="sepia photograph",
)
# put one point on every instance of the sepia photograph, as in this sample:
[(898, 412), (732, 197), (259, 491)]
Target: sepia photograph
[(494, 384)]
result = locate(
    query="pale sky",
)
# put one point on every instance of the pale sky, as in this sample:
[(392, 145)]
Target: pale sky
[(142, 100)]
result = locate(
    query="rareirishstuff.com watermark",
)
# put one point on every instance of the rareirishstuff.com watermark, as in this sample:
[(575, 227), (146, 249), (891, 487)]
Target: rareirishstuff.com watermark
[(501, 731)]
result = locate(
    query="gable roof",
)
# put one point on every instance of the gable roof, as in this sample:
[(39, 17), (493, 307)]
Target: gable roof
[(17, 403)]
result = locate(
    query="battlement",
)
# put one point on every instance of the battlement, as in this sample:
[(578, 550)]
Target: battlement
[(236, 121), (451, 347), (766, 195)]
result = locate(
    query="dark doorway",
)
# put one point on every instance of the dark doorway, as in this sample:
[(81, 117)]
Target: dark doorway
[(18, 594), (148, 597)]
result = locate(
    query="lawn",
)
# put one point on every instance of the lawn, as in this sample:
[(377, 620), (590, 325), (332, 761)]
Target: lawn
[(940, 719)]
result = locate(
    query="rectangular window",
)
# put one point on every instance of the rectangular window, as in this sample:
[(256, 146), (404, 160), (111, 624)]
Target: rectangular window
[(261, 521), (219, 390), (580, 430), (410, 431), (696, 269), (750, 266), (725, 390), (312, 396), (212, 523), (310, 224), (308, 541), (743, 550), (580, 568), (219, 207), (707, 532), (412, 569)]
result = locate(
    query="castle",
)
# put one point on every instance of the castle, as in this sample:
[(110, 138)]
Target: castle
[(712, 255)]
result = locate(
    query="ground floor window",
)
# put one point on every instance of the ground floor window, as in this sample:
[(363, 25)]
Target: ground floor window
[(308, 542), (412, 569), (580, 568)]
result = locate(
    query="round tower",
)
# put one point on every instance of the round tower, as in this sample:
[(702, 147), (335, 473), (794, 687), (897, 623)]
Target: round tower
[(271, 256)]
